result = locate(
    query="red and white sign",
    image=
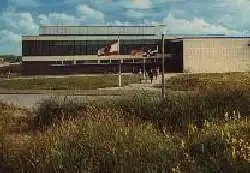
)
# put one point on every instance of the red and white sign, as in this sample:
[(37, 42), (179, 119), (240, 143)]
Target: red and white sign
[(138, 52), (144, 52), (110, 49)]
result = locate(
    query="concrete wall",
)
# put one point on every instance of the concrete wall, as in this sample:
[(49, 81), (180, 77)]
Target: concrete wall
[(216, 55)]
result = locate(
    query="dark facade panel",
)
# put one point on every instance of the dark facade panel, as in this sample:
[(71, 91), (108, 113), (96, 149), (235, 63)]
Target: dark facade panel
[(174, 63), (80, 47), (46, 68)]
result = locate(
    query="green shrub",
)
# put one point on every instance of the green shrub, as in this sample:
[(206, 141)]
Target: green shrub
[(52, 110), (187, 82), (103, 143), (133, 135), (176, 112), (221, 147)]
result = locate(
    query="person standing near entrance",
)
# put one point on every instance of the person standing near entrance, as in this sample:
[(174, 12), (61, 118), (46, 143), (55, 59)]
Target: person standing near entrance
[(157, 72), (9, 74), (140, 71), (151, 75), (140, 74)]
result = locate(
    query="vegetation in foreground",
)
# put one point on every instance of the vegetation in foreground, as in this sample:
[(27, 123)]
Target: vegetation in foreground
[(69, 83), (203, 132), (190, 82), (11, 58)]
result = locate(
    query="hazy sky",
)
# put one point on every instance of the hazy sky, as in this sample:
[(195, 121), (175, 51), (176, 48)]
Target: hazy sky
[(23, 17)]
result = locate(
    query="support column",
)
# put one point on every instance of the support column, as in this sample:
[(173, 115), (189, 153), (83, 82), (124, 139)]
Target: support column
[(120, 74), (144, 68), (163, 67)]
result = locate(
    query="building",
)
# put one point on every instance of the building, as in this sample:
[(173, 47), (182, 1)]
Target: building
[(217, 54), (100, 49)]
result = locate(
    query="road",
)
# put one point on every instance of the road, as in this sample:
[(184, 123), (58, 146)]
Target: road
[(30, 100)]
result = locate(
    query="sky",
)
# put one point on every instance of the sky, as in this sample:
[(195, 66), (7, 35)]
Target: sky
[(23, 17)]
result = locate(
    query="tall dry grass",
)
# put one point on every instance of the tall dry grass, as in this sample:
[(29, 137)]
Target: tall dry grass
[(101, 141), (200, 82), (195, 132), (176, 112)]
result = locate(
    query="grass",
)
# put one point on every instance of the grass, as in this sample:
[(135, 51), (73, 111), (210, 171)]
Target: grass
[(97, 141), (201, 132), (141, 134), (176, 112), (69, 83), (190, 82)]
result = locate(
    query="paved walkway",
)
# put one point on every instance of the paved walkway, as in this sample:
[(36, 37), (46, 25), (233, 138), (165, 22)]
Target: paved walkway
[(30, 98), (56, 76), (145, 84)]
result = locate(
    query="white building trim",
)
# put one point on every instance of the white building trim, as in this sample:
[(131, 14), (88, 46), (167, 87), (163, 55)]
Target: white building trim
[(80, 58)]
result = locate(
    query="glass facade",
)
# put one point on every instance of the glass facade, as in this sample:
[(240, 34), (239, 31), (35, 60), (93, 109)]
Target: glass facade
[(94, 38), (81, 47)]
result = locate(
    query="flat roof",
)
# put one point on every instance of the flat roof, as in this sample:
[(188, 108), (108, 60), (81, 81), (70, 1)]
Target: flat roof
[(170, 37), (87, 37), (97, 29), (100, 25), (204, 37)]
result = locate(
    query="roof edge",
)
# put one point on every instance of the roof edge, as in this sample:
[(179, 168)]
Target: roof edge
[(99, 25)]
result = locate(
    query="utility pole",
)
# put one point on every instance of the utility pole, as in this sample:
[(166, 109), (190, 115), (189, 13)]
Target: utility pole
[(163, 68), (120, 73), (144, 60), (120, 64), (144, 68)]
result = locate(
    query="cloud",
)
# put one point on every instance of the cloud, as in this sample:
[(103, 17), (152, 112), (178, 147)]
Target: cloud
[(14, 25), (21, 22), (58, 18), (24, 3), (8, 36), (117, 22), (228, 13), (72, 1), (236, 16), (84, 14), (195, 26), (90, 15), (131, 13), (142, 4), (10, 42), (10, 9)]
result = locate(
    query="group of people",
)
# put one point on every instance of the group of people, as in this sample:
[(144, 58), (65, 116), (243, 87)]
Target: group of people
[(151, 73)]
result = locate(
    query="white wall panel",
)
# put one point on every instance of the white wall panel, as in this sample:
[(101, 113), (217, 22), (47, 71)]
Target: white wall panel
[(218, 55)]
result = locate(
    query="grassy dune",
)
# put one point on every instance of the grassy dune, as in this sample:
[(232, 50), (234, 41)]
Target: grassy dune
[(69, 83)]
